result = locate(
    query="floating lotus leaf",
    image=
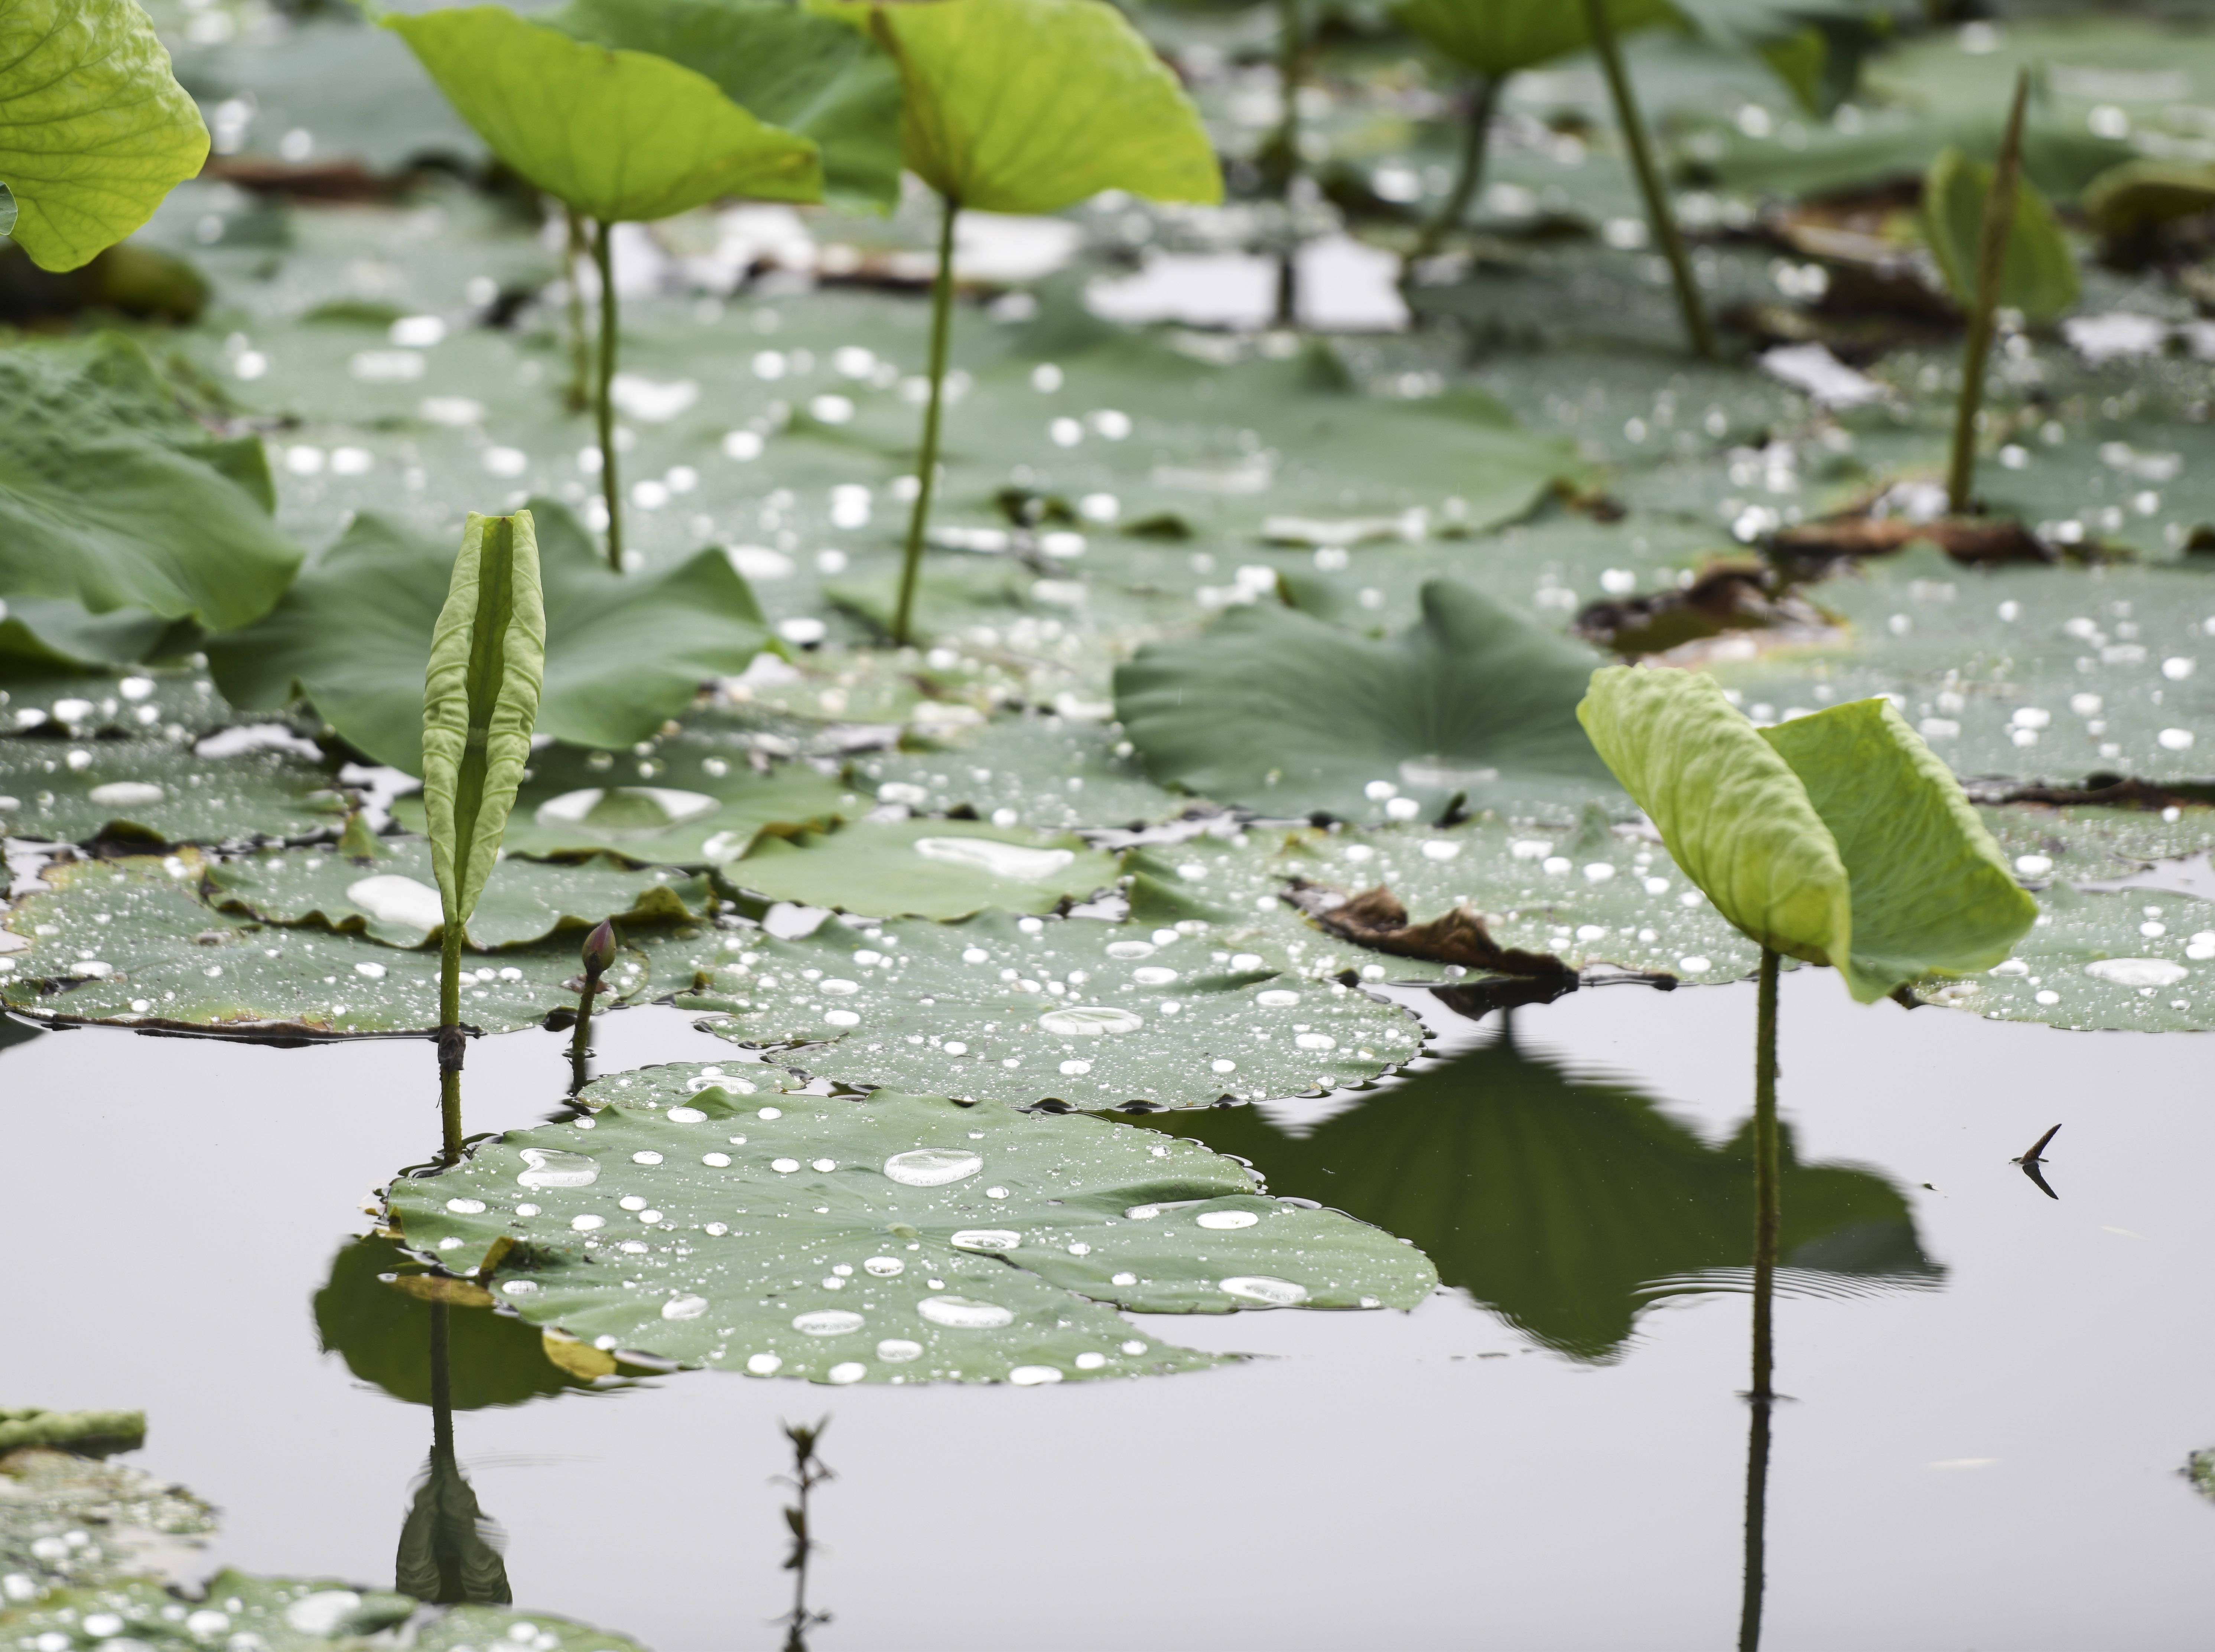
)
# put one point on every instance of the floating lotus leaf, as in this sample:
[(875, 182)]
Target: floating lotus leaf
[(1053, 772), (1154, 1016), (886, 1238), (793, 68), (1568, 1202), (130, 942), (923, 868), (1836, 837), (160, 792), (1031, 106), (112, 496), (1281, 713), (393, 899), (665, 139), (694, 802), (184, 703), (623, 652), (97, 129)]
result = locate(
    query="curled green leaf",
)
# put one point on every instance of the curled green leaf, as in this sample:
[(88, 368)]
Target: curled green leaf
[(2039, 276)]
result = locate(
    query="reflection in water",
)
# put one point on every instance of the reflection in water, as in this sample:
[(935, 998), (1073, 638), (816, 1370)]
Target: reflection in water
[(808, 1471), (449, 1551), (1567, 1202)]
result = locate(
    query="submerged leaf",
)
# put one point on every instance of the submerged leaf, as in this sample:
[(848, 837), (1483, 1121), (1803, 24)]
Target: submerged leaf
[(97, 129), (1836, 838), (1279, 712), (112, 497), (664, 139), (2038, 275), (932, 1241), (1031, 106), (1161, 1017), (481, 703)]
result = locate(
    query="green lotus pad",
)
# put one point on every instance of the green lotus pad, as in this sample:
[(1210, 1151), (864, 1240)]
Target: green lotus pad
[(118, 1513), (1027, 1010), (129, 942), (393, 899), (923, 868), (889, 1238), (160, 792)]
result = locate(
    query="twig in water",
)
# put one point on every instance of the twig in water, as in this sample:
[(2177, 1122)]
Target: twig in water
[(808, 1471)]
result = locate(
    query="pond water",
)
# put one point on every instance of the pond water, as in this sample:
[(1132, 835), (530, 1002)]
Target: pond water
[(1988, 1412)]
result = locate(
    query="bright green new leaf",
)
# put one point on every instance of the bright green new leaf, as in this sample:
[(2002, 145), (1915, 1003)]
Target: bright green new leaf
[(618, 135), (1838, 839), (942, 1243), (112, 496), (807, 73), (1500, 37), (95, 130), (625, 652), (1279, 712), (2039, 274), (481, 703), (1031, 106)]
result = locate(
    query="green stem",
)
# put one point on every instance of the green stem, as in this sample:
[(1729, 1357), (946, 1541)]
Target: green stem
[(1762, 1397), (580, 395), (1482, 100), (604, 259), (577, 1047), (1284, 152), (926, 470), (450, 1042), (1991, 260), (1664, 221)]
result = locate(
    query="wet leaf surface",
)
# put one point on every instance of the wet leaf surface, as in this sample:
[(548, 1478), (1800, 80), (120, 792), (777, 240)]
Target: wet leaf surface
[(923, 868), (162, 792), (889, 1239), (1021, 1011), (68, 1521)]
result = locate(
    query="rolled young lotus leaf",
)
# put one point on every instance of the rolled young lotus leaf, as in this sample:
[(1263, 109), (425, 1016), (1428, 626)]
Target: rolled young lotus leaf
[(1838, 839)]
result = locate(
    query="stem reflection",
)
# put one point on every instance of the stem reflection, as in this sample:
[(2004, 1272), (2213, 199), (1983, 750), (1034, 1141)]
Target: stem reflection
[(449, 1554), (1761, 1397), (808, 1471)]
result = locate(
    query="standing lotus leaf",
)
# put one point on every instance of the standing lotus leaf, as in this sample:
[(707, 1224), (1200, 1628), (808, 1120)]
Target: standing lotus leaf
[(1837, 838), (887, 1238)]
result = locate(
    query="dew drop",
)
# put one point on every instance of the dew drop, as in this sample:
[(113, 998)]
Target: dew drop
[(1225, 1218), (931, 1167), (685, 1115), (959, 1313), (1032, 1376), (1277, 998), (847, 1370), (1130, 949), (884, 1267), (549, 1166), (1261, 1287), (1090, 1361), (898, 1350), (684, 1307), (986, 1238), (646, 1157), (466, 1207), (764, 1365), (828, 1322), (1088, 1021)]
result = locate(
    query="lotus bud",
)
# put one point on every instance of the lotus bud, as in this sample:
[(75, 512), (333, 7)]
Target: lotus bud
[(599, 949)]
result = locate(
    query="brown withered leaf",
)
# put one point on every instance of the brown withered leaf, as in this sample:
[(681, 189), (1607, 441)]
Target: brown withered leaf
[(1376, 918)]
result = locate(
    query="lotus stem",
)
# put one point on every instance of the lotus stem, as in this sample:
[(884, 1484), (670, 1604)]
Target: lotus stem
[(580, 395), (1664, 221), (1762, 1397), (1992, 234), (926, 470), (1484, 97), (442, 1402), (451, 1045), (604, 260), (1285, 150)]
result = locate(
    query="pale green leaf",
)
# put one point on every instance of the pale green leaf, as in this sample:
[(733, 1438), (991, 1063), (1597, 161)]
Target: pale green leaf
[(619, 135), (1031, 106), (1499, 37), (923, 868), (480, 702), (807, 73), (1276, 711), (112, 496), (95, 130), (2039, 274)]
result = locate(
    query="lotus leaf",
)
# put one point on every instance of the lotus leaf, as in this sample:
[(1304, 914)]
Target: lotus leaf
[(923, 868), (808, 74), (1031, 106), (2038, 273), (1023, 1011), (391, 899), (112, 497), (1836, 838), (1500, 37), (120, 1512), (934, 1241), (98, 131), (1568, 1202), (1053, 772), (130, 942), (1277, 711), (664, 138), (159, 792), (623, 652)]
